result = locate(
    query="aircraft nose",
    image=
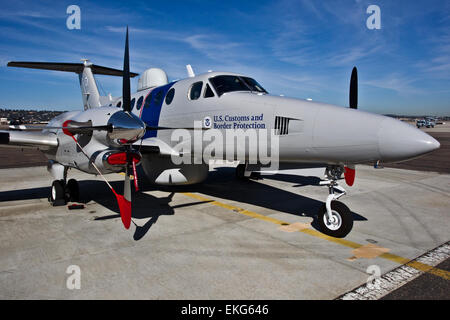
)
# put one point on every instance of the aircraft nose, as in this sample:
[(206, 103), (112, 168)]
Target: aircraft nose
[(399, 141)]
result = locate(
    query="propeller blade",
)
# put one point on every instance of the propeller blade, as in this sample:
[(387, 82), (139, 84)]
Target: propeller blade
[(124, 208), (126, 92), (353, 96), (67, 130), (127, 184), (349, 174)]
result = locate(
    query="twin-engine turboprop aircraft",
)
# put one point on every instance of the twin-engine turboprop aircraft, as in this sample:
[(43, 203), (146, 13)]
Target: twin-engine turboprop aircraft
[(117, 134)]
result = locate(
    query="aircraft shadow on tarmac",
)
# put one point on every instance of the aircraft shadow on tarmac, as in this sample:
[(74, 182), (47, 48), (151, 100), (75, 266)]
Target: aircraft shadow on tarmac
[(221, 183)]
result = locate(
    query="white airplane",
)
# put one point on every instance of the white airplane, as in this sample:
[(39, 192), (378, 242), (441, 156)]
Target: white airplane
[(117, 134)]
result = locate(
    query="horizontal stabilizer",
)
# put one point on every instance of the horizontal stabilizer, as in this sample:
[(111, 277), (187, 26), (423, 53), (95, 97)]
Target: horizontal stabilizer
[(69, 67)]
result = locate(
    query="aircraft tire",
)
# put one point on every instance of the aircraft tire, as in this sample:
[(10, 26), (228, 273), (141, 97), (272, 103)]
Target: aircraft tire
[(73, 190), (57, 193), (343, 220)]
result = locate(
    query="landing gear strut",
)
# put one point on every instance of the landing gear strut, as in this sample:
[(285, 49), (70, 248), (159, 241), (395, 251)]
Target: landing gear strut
[(62, 192), (334, 218)]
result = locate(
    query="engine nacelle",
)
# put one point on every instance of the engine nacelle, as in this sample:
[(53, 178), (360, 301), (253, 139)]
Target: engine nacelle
[(109, 161)]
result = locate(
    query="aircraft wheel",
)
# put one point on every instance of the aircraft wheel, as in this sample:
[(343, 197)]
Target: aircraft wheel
[(57, 194), (342, 220), (73, 190)]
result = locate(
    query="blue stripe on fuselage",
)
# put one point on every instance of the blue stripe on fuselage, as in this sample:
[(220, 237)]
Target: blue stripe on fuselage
[(152, 108)]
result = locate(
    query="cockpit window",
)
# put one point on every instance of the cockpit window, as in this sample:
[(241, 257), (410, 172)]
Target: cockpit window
[(196, 90), (229, 83), (255, 86), (208, 92)]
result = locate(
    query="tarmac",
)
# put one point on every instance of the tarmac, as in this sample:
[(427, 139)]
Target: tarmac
[(222, 239)]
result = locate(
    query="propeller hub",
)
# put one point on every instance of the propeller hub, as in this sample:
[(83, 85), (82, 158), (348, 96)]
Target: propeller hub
[(126, 128)]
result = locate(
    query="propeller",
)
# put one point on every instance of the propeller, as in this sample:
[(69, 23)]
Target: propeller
[(353, 95), (349, 170), (125, 200), (124, 128)]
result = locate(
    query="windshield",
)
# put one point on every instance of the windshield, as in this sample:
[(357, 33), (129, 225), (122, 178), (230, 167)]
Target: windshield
[(229, 83), (255, 86)]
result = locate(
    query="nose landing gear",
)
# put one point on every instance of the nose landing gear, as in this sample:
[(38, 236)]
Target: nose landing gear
[(334, 218)]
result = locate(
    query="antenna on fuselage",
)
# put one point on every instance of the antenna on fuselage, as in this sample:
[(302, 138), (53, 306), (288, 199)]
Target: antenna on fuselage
[(190, 71)]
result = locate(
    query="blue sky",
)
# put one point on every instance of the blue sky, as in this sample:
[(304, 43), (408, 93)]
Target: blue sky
[(303, 48)]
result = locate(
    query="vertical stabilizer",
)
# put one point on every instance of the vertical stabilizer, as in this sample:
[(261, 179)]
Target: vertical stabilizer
[(89, 90)]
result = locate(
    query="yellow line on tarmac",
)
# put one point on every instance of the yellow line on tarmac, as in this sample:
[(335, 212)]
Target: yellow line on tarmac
[(388, 256)]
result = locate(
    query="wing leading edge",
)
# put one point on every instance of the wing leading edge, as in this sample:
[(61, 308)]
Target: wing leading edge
[(31, 139)]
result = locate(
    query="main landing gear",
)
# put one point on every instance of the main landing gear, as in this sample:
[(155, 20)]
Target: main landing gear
[(334, 218), (62, 192)]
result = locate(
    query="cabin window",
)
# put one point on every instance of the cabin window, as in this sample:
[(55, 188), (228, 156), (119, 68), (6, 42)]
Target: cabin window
[(139, 103), (196, 90), (132, 103), (169, 96), (208, 92), (119, 104)]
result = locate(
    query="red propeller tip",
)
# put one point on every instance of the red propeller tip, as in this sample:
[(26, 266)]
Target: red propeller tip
[(125, 210), (349, 175)]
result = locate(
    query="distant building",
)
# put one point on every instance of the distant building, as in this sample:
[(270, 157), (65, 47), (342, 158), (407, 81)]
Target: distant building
[(4, 121)]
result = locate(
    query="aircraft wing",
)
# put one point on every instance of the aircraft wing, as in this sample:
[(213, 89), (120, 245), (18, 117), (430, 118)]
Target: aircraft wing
[(28, 139), (156, 146)]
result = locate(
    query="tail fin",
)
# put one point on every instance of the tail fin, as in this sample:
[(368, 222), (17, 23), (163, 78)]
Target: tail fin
[(86, 70)]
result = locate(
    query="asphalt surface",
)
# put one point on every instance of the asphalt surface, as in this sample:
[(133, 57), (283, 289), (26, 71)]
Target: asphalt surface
[(21, 158), (425, 287)]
